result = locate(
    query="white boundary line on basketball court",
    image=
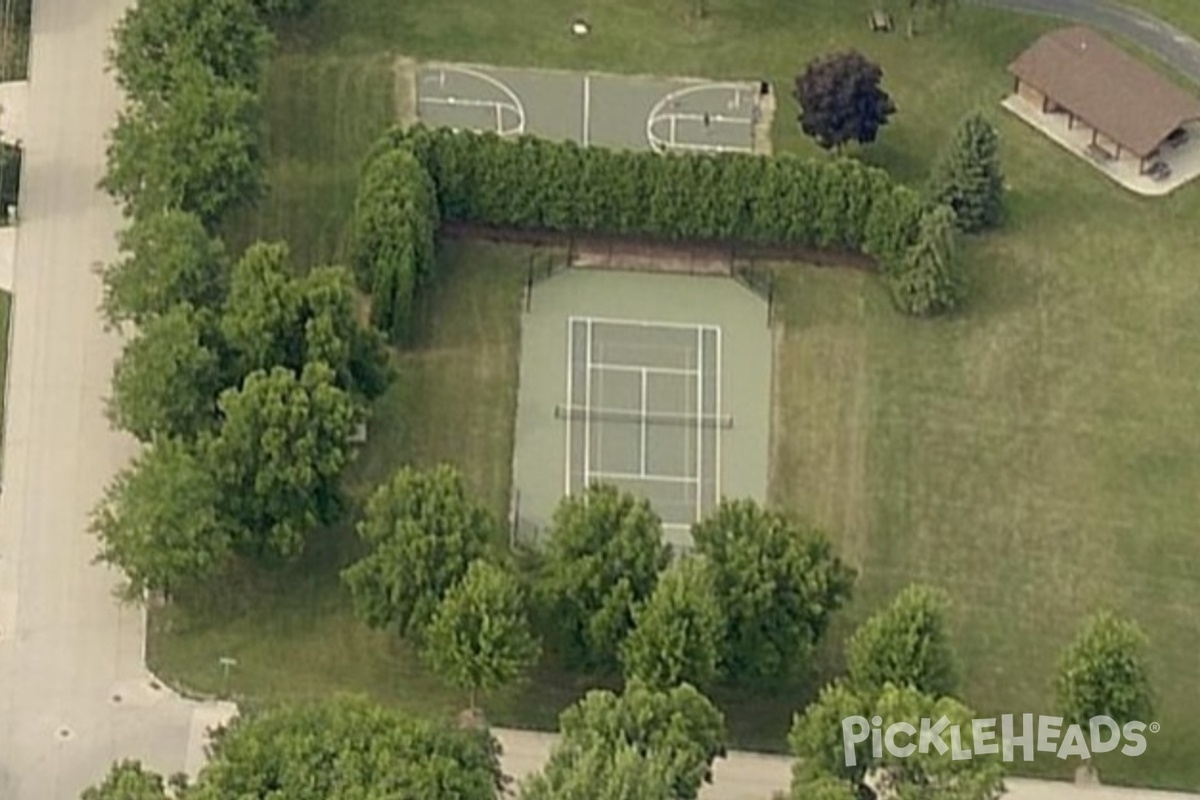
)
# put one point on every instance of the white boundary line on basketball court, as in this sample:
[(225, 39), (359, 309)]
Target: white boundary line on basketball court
[(587, 109), (659, 145), (623, 476), (515, 105)]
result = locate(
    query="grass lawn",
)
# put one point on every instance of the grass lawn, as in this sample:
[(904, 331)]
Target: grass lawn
[(1036, 455)]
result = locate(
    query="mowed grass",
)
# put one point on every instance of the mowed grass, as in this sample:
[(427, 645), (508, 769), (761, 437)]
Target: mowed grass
[(1036, 455), (292, 631)]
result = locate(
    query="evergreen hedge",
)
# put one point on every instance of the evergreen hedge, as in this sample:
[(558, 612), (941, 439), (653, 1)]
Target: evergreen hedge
[(535, 184), (392, 242)]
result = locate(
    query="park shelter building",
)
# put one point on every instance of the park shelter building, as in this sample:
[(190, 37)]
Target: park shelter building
[(1130, 110)]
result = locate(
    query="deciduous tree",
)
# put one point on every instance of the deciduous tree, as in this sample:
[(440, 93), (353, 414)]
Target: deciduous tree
[(1104, 672), (422, 532), (282, 445), (225, 38), (168, 259), (678, 634), (128, 780), (160, 522), (823, 767), (167, 379), (479, 638), (348, 748), (274, 319), (621, 773), (906, 644), (198, 152), (841, 99), (778, 583), (968, 177), (678, 730), (602, 559)]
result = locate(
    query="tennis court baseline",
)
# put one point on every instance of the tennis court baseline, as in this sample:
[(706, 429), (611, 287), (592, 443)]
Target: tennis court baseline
[(643, 413)]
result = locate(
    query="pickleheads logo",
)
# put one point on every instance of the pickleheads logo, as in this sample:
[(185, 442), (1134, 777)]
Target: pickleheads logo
[(903, 739)]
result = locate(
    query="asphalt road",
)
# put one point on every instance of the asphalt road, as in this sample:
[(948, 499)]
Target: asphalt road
[(67, 650), (74, 692), (1169, 43)]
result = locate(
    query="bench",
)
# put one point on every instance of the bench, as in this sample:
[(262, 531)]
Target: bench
[(880, 21), (1099, 153)]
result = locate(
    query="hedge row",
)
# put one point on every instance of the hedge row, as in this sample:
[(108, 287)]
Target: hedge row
[(534, 183), (395, 221)]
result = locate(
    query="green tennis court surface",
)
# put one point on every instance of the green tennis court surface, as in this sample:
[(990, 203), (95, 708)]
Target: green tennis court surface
[(644, 413), (657, 384), (611, 110)]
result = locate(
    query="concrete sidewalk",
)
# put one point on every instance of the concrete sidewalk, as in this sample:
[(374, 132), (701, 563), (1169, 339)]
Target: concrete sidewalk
[(757, 776), (74, 692)]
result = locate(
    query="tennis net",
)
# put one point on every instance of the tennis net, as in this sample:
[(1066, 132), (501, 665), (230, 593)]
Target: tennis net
[(651, 418)]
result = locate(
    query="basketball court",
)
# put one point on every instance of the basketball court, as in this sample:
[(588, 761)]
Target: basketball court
[(639, 113)]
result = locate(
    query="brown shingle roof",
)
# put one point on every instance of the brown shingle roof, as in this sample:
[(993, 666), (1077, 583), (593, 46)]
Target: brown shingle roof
[(1105, 87)]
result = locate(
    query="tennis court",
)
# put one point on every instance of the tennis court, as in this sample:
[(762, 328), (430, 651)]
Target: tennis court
[(661, 114), (668, 400), (643, 413)]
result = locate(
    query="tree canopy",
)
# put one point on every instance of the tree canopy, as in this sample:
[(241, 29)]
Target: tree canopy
[(225, 38), (168, 259), (281, 447), (906, 644), (1103, 672), (602, 558), (927, 773), (778, 583), (968, 178), (930, 280), (275, 319), (422, 531), (198, 151), (622, 772), (395, 219), (678, 634), (128, 780), (159, 521), (841, 99), (678, 730), (167, 379), (339, 748), (479, 638)]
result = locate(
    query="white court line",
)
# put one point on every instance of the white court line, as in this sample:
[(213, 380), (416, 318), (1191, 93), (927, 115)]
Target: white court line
[(671, 138), (515, 103), (570, 396), (643, 323), (643, 424), (710, 148), (699, 420), (623, 476), (587, 109), (712, 118), (717, 477), (587, 420), (466, 102), (635, 368)]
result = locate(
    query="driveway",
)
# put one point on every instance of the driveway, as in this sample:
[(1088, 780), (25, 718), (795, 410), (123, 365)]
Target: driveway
[(74, 694)]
